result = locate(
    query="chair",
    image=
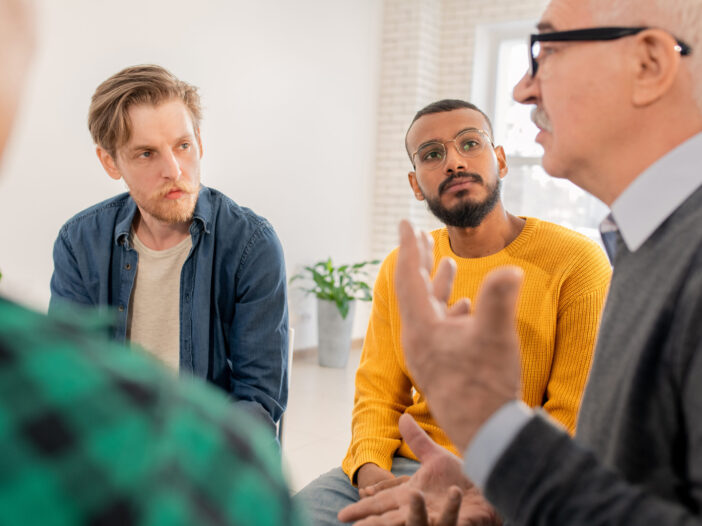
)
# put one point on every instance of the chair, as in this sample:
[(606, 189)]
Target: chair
[(291, 339)]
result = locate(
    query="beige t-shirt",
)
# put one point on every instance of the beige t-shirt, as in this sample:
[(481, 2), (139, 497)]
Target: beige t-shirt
[(154, 313)]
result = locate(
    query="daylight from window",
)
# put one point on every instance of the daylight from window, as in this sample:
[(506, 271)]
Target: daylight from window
[(528, 190)]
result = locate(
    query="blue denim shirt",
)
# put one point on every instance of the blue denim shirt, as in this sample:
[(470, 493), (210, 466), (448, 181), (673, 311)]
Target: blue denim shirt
[(233, 297)]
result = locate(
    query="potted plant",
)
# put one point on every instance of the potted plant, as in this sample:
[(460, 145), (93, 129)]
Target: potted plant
[(336, 289)]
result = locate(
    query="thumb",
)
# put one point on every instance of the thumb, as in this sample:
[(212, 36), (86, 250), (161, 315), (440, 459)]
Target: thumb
[(497, 300), (417, 439), (411, 276)]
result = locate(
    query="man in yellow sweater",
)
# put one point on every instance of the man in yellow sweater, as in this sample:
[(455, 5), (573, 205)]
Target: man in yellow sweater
[(458, 172)]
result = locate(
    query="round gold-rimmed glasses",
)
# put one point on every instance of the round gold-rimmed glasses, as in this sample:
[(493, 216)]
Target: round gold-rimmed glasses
[(470, 142)]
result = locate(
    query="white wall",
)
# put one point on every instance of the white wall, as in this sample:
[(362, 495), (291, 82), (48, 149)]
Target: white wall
[(289, 90)]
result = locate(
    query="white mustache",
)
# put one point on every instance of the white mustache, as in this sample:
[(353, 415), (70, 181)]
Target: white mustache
[(539, 117)]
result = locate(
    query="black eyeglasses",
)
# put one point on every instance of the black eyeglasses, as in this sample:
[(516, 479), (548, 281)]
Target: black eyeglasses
[(588, 35)]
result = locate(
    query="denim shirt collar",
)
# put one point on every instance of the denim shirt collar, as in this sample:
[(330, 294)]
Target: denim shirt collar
[(202, 218), (204, 212)]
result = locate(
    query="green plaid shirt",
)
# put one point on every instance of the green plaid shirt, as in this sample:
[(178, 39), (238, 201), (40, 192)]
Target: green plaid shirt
[(92, 433)]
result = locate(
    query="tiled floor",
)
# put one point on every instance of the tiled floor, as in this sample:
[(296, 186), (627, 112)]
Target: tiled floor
[(318, 420)]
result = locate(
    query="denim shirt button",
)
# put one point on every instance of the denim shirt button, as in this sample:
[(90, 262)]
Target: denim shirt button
[(128, 266), (120, 308), (187, 297)]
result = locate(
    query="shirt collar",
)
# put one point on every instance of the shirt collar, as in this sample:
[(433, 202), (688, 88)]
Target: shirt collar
[(203, 209), (202, 214), (655, 194), (124, 225)]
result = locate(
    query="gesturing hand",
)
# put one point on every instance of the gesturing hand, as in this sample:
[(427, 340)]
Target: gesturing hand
[(438, 494), (467, 364)]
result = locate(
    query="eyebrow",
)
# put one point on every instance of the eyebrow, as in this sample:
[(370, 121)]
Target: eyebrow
[(187, 136), (545, 27)]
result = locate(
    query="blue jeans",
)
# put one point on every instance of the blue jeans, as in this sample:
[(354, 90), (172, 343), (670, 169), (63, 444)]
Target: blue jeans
[(327, 494)]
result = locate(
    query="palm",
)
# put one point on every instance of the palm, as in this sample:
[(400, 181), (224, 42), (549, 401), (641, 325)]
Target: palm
[(429, 497), (434, 479)]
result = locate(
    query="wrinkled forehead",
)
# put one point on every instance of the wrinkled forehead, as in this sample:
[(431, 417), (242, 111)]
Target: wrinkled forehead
[(443, 126)]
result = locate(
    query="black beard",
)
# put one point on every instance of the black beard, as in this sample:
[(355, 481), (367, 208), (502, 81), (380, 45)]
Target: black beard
[(468, 214)]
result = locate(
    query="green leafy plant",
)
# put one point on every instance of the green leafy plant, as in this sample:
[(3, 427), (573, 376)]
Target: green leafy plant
[(341, 284)]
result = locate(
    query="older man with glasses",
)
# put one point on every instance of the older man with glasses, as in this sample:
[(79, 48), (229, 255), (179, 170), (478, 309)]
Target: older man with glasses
[(617, 91), (458, 171)]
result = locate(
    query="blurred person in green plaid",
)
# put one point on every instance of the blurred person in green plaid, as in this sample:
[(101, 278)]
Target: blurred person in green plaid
[(93, 433)]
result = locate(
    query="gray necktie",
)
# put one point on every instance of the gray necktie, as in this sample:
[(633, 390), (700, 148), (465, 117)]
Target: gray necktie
[(610, 240)]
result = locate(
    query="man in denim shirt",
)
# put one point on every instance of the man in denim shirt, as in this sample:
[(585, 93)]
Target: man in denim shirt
[(195, 279)]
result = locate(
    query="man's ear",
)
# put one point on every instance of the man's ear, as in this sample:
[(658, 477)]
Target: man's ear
[(412, 177), (501, 161), (108, 163), (655, 62)]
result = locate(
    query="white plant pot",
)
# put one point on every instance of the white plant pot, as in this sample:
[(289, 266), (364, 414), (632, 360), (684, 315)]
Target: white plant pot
[(333, 333)]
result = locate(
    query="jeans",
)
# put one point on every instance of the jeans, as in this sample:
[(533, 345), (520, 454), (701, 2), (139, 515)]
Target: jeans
[(327, 494)]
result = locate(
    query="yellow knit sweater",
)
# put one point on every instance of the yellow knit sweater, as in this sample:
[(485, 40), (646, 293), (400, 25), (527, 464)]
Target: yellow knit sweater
[(565, 284)]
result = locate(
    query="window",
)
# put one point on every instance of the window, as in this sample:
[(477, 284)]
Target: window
[(500, 61)]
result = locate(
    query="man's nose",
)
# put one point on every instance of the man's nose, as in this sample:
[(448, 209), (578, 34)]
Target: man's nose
[(172, 170), (526, 90), (455, 162)]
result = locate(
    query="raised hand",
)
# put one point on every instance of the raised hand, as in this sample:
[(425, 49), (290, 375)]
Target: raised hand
[(466, 364)]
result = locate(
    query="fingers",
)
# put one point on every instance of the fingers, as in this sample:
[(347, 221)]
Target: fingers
[(417, 511), (378, 504), (411, 280), (449, 515), (409, 244), (497, 300), (443, 279), (427, 244), (369, 491), (460, 308), (417, 440), (391, 518)]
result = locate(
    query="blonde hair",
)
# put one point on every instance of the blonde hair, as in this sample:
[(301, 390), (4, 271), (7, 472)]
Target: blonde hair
[(108, 116)]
